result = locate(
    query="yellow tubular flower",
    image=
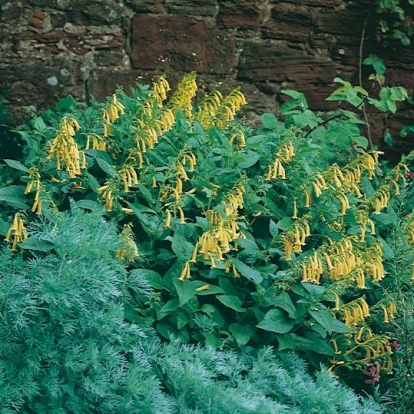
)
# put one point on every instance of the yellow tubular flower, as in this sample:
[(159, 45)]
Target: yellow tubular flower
[(65, 150), (185, 273), (182, 218), (295, 210), (337, 351), (167, 224), (107, 194), (386, 320), (392, 310), (17, 231), (204, 287), (130, 251)]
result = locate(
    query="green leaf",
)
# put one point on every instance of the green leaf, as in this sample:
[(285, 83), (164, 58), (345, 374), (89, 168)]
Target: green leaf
[(212, 289), (376, 63), (312, 342), (91, 205), (388, 138), (386, 248), (66, 104), (285, 223), (153, 278), (93, 182), (181, 247), (186, 290), (171, 306), (328, 322), (246, 159), (248, 272), (273, 228), (182, 319), (269, 121), (241, 333), (214, 314), (17, 165), (14, 195), (232, 302), (276, 320), (360, 140), (292, 93), (213, 341), (105, 166), (314, 290), (131, 313), (36, 245), (285, 302)]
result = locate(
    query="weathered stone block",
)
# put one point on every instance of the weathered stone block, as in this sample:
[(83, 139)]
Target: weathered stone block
[(288, 22), (243, 14), (146, 6), (314, 3), (266, 61), (188, 44), (192, 7)]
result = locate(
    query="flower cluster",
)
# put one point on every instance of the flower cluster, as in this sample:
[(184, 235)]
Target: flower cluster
[(65, 150), (17, 231)]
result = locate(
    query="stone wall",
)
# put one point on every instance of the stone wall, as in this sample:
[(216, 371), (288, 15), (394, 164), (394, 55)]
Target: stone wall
[(51, 48)]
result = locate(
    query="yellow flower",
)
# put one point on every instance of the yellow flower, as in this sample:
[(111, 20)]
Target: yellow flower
[(17, 231)]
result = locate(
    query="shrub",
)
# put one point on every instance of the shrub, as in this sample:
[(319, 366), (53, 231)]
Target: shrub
[(66, 347), (248, 237)]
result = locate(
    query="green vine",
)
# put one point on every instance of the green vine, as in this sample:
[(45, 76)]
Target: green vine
[(395, 21)]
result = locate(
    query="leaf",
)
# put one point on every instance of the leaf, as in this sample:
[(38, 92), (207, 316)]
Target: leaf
[(17, 165), (285, 302), (276, 320), (14, 195), (186, 290), (105, 166), (314, 290), (93, 182), (273, 228), (292, 93), (36, 245), (152, 277), (232, 302), (214, 314), (328, 322), (91, 205), (241, 333), (285, 223), (171, 306), (181, 247), (212, 340), (269, 121), (66, 104), (360, 140), (131, 313), (248, 272), (246, 159), (386, 248), (212, 289), (182, 319), (388, 138), (312, 342)]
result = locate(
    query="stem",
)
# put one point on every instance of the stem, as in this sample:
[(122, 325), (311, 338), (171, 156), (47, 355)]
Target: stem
[(361, 47)]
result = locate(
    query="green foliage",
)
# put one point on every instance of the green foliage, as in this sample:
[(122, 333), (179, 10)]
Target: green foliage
[(400, 290), (248, 237), (66, 347), (395, 20)]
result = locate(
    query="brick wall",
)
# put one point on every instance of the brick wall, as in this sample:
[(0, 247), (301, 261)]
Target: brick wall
[(51, 48)]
